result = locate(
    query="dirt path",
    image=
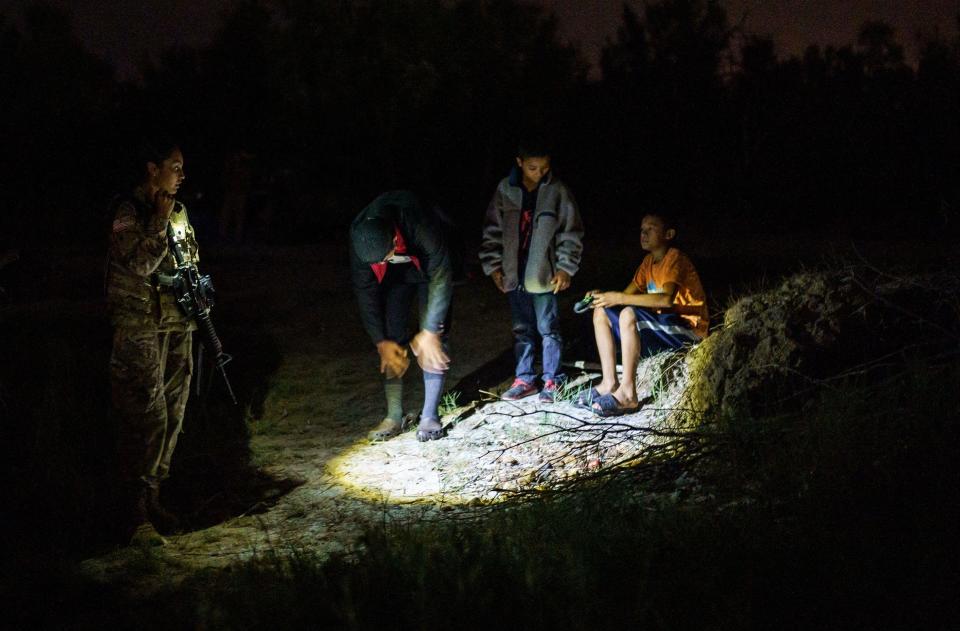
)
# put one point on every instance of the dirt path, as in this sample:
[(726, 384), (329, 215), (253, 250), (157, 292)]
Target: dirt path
[(322, 400), (324, 397)]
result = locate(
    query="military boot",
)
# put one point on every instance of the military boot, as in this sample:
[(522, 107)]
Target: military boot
[(165, 521), (146, 536), (136, 527)]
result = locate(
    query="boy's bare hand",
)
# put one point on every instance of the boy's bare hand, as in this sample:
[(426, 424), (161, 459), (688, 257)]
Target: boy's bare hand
[(426, 346), (497, 277), (163, 204), (393, 359), (560, 281), (603, 299)]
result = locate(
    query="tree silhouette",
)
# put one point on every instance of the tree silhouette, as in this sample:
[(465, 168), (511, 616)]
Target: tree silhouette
[(338, 100)]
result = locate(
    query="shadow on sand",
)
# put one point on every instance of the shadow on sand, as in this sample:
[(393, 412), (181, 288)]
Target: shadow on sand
[(58, 463)]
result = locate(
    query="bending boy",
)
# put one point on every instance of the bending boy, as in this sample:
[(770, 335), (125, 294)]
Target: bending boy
[(398, 252), (663, 308)]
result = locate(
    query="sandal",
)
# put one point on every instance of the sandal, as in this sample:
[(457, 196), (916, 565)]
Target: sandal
[(430, 429), (585, 399), (607, 405), (387, 429)]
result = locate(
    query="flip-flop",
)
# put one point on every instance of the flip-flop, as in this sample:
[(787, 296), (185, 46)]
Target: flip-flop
[(585, 399), (430, 429), (584, 304), (387, 429), (609, 406)]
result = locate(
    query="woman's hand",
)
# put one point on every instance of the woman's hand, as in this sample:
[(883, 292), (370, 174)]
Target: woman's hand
[(163, 204)]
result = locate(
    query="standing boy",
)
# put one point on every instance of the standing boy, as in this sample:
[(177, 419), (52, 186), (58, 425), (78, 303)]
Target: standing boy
[(532, 241), (663, 308), (398, 252)]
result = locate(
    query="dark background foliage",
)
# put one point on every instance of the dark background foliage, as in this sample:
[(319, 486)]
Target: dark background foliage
[(330, 103)]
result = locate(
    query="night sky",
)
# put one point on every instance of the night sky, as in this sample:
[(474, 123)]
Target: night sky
[(124, 30), (793, 24)]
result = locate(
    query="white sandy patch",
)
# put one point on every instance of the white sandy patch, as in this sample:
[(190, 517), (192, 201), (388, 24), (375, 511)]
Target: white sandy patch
[(509, 446)]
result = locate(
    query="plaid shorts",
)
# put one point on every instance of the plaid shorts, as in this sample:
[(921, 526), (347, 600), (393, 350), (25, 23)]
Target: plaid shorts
[(658, 332)]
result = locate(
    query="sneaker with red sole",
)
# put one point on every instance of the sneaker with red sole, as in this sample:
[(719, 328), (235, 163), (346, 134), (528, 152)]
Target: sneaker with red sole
[(549, 392), (519, 390)]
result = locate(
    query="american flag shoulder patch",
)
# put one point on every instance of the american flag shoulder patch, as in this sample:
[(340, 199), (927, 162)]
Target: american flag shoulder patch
[(123, 223)]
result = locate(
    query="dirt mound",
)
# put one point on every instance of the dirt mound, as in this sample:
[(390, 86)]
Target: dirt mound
[(774, 349), (774, 346)]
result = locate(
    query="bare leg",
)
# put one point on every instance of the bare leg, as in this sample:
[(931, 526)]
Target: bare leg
[(607, 349), (626, 394)]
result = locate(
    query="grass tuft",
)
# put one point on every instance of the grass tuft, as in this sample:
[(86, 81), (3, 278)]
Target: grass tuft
[(448, 403)]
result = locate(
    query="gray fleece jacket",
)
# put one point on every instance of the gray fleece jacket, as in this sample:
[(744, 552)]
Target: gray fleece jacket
[(556, 242)]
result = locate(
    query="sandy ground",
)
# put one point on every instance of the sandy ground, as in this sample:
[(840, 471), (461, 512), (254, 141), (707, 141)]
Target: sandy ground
[(322, 400), (326, 394)]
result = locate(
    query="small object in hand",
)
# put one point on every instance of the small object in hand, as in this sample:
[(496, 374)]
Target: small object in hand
[(584, 304)]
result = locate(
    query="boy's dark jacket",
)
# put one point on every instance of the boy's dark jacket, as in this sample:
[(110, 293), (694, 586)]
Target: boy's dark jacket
[(423, 233)]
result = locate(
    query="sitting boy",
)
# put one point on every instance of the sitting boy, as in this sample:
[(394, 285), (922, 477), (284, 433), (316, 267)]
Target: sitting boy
[(667, 311)]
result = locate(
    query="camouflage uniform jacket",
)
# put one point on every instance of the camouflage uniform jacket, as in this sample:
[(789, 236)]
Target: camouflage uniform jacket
[(139, 259)]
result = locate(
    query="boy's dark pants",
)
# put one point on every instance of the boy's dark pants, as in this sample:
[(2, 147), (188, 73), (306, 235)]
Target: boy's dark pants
[(535, 315), (398, 298)]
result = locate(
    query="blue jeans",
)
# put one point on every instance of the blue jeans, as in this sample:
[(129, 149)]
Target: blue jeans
[(535, 315)]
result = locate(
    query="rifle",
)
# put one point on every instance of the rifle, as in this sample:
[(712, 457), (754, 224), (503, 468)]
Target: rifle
[(195, 295)]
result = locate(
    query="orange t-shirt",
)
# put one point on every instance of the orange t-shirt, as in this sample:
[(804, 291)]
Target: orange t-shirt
[(675, 267)]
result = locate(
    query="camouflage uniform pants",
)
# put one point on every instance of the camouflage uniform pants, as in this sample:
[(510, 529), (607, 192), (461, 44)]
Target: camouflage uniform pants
[(150, 383)]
